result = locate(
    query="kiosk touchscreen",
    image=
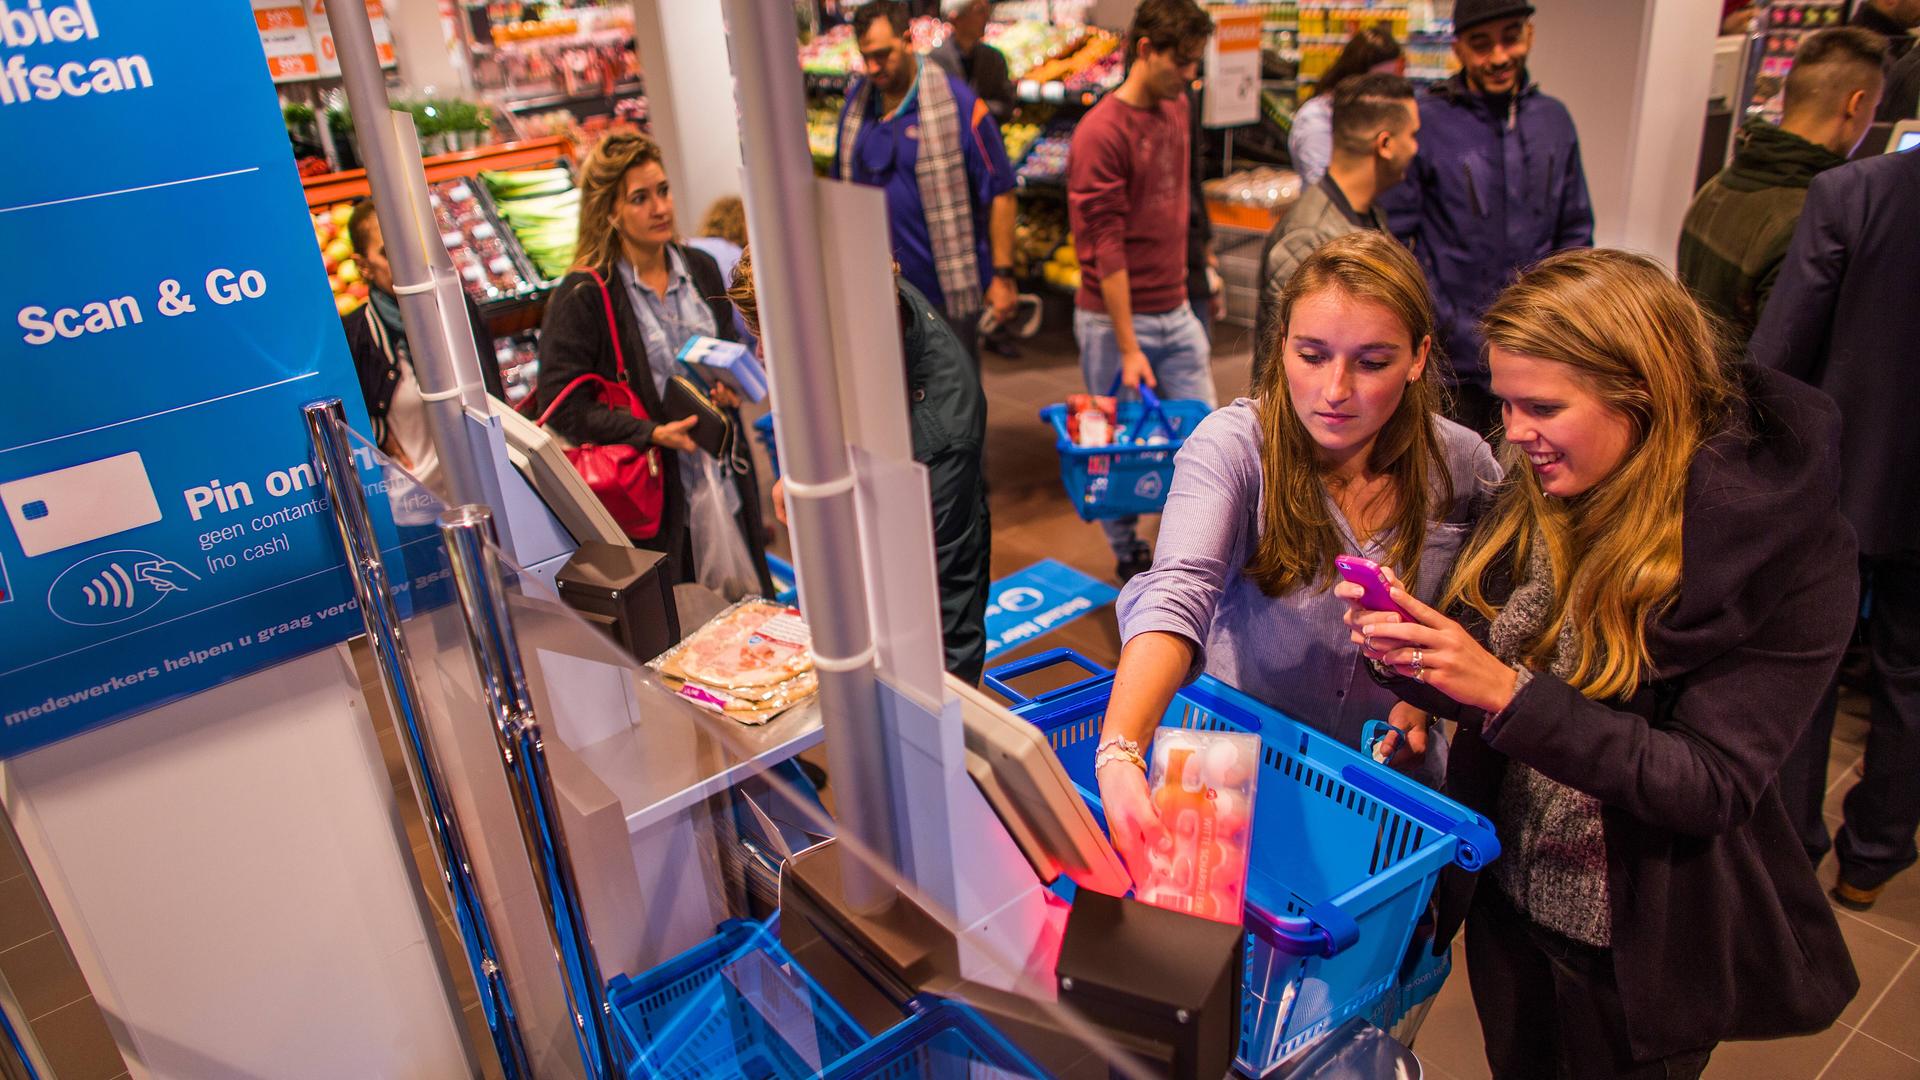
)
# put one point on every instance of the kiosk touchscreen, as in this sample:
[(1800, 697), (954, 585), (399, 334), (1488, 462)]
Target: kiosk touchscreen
[(1906, 136), (1016, 770)]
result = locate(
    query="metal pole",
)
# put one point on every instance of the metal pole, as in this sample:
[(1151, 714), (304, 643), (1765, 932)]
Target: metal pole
[(333, 459), (784, 225), (468, 533), (447, 290), (413, 283)]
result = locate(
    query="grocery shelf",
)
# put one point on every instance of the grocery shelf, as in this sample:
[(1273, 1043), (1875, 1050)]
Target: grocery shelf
[(330, 188), (555, 101)]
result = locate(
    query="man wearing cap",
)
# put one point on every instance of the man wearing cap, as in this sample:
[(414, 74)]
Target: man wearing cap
[(1497, 186)]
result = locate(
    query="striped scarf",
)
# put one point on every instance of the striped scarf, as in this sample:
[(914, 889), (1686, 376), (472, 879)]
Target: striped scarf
[(941, 171)]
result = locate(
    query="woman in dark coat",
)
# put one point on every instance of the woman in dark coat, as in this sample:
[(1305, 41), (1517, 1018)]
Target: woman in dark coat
[(661, 293), (1647, 618)]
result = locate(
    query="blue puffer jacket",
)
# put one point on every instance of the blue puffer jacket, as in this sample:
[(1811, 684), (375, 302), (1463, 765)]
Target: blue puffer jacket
[(1493, 191)]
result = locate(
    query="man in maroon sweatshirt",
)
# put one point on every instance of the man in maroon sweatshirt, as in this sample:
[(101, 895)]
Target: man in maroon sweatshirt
[(1127, 202)]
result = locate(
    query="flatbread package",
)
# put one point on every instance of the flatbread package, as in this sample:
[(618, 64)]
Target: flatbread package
[(752, 662)]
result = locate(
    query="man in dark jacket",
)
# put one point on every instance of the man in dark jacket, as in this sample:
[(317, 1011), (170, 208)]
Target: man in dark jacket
[(1736, 232), (967, 55), (1497, 186), (1843, 318), (948, 413)]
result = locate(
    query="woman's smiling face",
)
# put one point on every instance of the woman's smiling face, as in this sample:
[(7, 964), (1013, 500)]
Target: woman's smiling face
[(1572, 438)]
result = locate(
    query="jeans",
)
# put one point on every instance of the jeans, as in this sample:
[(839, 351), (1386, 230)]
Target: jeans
[(1549, 1005), (1883, 810), (1177, 346)]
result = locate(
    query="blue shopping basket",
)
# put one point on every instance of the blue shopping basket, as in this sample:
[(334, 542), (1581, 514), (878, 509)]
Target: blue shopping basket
[(734, 1005), (1345, 853), (943, 1039), (1131, 477)]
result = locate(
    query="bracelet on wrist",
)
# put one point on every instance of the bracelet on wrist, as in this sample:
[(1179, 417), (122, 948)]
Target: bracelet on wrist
[(1118, 749)]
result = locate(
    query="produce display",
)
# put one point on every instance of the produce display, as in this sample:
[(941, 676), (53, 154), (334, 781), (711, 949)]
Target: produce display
[(336, 247), (1078, 58), (1203, 785), (1083, 58), (1266, 188), (823, 127), (480, 254), (1038, 232), (543, 208), (1046, 162), (751, 662), (1019, 137), (1063, 270)]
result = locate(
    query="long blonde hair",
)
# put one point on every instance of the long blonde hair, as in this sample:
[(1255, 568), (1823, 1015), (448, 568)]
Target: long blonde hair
[(1639, 341), (600, 183), (1298, 537)]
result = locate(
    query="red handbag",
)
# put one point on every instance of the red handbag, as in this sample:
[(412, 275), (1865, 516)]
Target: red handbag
[(627, 480)]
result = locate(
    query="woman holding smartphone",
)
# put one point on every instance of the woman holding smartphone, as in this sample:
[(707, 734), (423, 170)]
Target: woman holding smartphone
[(1344, 452), (634, 298), (1645, 622)]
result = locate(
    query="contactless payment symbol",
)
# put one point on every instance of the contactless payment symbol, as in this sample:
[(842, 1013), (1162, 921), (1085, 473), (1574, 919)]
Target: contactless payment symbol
[(115, 586)]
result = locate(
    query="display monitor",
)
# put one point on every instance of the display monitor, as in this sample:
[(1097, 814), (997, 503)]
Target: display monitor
[(1906, 136), (1016, 770), (541, 457)]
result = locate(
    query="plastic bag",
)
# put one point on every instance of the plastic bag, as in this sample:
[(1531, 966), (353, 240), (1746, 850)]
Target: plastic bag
[(721, 560), (1203, 785)]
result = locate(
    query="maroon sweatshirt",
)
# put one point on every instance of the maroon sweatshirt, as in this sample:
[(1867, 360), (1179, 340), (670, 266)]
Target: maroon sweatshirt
[(1127, 202)]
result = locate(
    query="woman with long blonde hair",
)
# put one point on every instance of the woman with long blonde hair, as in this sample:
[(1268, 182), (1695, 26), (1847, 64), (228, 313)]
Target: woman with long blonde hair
[(1644, 624), (634, 298), (1343, 452)]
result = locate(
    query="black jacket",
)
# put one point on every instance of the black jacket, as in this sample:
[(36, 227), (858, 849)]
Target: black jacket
[(379, 372), (948, 412), (1843, 317), (1720, 930), (574, 342)]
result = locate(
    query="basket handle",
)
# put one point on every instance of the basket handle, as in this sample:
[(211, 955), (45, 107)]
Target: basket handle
[(1324, 930), (1152, 412), (996, 678), (1370, 735)]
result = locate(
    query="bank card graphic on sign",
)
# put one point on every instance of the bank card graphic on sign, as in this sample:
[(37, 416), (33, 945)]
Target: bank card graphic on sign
[(164, 316)]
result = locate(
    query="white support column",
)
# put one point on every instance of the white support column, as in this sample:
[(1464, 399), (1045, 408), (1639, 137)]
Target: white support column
[(1635, 74)]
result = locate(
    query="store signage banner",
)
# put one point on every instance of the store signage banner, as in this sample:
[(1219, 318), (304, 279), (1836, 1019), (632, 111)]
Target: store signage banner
[(1232, 71), (1049, 594), (163, 317)]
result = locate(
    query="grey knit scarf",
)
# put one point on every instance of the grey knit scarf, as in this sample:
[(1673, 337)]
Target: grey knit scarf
[(1554, 865)]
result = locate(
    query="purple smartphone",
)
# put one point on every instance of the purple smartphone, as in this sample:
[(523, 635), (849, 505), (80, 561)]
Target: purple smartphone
[(1367, 574)]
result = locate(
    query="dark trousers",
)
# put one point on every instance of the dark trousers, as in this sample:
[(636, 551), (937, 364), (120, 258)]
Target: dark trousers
[(1472, 405), (1883, 811), (1549, 1006)]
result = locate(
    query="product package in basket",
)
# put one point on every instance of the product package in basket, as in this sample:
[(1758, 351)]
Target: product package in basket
[(1202, 784), (752, 662)]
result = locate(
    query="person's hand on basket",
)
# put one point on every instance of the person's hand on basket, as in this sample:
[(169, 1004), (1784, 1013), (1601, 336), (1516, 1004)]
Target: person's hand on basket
[(1135, 369), (1433, 649), (1133, 822), (1405, 747)]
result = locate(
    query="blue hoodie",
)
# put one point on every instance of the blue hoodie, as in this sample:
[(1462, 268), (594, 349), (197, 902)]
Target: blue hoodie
[(1497, 186)]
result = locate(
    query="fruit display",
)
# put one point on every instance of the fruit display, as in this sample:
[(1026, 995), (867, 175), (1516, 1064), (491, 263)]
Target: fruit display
[(481, 257), (1037, 233), (1083, 58), (1046, 162), (1063, 270), (1093, 46), (1019, 137), (543, 208), (336, 247), (823, 129)]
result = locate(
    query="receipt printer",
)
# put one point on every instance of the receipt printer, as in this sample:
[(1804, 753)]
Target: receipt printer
[(624, 591), (1164, 985)]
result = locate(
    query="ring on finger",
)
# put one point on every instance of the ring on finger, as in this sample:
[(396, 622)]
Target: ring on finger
[(1417, 654)]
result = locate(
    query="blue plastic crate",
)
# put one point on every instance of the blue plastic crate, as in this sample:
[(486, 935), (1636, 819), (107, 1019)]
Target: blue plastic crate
[(1126, 478), (945, 1039), (734, 1005), (763, 430), (1345, 852)]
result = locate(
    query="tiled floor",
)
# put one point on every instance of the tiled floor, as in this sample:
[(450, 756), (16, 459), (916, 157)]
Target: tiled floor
[(1878, 1037)]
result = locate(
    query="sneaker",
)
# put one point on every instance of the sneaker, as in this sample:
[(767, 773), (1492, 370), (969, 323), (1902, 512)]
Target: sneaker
[(1133, 565), (1854, 898)]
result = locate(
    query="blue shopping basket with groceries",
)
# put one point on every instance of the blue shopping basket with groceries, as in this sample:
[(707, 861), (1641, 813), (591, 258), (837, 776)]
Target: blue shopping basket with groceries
[(1345, 853), (1132, 473)]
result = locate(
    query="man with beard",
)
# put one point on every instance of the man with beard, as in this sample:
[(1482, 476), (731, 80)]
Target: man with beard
[(1497, 186)]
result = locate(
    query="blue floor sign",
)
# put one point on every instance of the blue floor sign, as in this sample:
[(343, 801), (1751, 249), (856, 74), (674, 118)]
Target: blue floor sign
[(1027, 603)]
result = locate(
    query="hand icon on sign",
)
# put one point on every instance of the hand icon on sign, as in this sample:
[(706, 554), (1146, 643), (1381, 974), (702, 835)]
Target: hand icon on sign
[(163, 574)]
